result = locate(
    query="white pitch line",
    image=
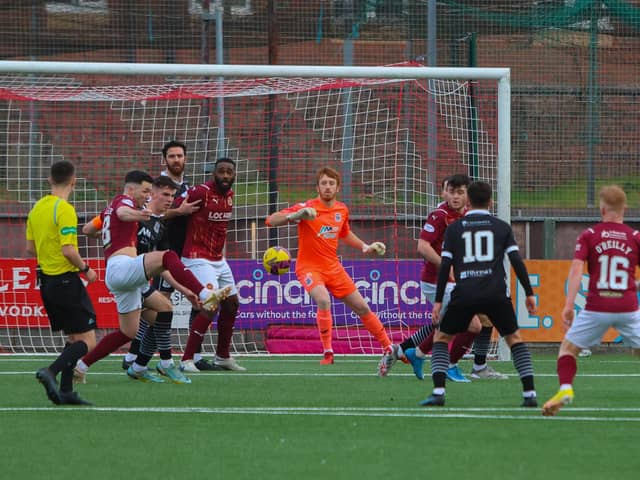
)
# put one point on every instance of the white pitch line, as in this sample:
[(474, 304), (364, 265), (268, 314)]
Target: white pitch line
[(314, 374), (336, 412)]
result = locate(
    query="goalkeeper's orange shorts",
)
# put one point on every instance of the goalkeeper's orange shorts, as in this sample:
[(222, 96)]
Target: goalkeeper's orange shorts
[(336, 280)]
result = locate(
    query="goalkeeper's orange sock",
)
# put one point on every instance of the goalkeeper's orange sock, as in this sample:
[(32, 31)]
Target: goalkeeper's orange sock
[(325, 323), (372, 323)]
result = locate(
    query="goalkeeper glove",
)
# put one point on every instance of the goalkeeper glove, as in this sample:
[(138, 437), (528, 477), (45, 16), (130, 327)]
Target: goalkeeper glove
[(306, 213), (377, 247)]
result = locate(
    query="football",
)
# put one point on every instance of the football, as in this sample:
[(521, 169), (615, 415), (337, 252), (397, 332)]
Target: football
[(276, 260)]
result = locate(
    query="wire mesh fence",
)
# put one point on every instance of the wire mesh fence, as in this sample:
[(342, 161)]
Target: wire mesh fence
[(574, 64)]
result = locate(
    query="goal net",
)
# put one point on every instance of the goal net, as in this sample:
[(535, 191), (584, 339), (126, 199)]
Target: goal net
[(393, 132)]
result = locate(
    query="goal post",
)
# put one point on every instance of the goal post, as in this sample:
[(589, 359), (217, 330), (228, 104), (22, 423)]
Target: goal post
[(280, 123)]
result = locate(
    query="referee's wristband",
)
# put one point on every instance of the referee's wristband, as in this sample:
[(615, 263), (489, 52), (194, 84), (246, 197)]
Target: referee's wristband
[(86, 268)]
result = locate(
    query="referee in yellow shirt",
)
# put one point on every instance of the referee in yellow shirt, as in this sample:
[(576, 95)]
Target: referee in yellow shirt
[(52, 238)]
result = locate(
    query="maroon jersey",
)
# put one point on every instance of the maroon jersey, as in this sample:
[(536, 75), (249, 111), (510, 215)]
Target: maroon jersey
[(612, 252), (433, 232), (207, 228), (117, 234)]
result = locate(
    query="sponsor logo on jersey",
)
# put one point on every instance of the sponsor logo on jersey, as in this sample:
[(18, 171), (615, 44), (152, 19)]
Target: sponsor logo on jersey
[(327, 231), (219, 216), (613, 234)]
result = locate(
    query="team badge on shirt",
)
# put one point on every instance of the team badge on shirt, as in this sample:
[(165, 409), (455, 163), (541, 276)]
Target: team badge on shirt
[(338, 217)]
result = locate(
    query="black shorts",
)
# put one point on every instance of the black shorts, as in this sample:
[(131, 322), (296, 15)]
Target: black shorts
[(67, 303), (162, 285), (459, 314), (147, 290)]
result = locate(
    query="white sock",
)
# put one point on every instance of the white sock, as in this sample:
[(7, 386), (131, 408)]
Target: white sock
[(420, 353), (130, 357), (438, 391), (565, 386), (205, 293), (529, 394), (197, 357), (137, 368), (453, 365), (166, 363), (83, 367), (477, 368)]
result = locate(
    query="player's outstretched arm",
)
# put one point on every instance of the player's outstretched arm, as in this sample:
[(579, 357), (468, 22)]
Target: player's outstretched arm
[(354, 241), (378, 248), (306, 213), (277, 219), (93, 228), (128, 214), (282, 218), (184, 207)]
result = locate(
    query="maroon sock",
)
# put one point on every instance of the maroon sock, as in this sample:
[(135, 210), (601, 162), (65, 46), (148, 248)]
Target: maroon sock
[(171, 262), (109, 344), (427, 344), (460, 345), (226, 320), (567, 369), (196, 335)]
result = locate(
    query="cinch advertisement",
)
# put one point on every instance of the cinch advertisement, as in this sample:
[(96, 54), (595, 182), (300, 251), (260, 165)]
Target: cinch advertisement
[(392, 289)]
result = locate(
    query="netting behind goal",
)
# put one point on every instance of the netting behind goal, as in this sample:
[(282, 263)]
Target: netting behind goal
[(393, 140)]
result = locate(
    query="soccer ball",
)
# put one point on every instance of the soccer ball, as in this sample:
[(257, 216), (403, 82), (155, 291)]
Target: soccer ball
[(276, 260)]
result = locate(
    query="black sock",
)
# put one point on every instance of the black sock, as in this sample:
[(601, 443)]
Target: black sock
[(134, 348), (481, 346), (69, 357), (524, 366), (417, 337), (162, 329), (148, 347), (143, 359), (66, 380), (194, 314), (439, 363)]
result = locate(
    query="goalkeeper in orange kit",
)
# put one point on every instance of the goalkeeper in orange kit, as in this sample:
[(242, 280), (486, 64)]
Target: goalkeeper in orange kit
[(323, 221)]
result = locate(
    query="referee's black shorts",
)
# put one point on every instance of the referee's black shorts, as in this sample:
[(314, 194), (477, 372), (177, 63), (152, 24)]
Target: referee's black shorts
[(67, 303), (460, 312)]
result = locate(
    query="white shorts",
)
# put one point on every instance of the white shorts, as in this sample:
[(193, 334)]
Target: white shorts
[(589, 327), (125, 279), (217, 274), (429, 291)]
